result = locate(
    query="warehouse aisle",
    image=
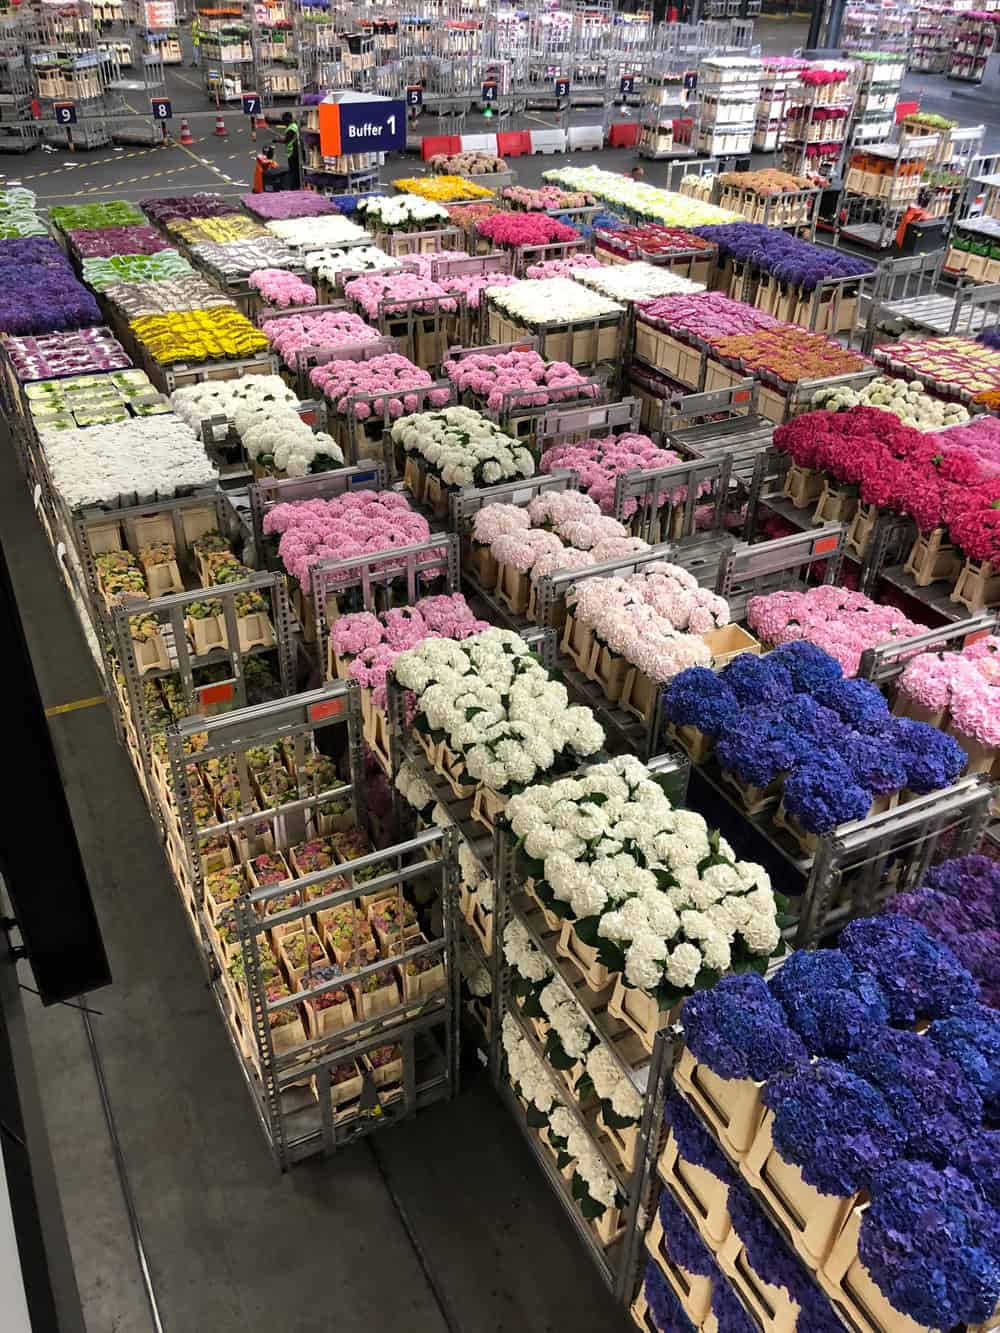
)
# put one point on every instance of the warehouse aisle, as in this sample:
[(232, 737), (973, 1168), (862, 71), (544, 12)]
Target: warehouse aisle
[(231, 1244)]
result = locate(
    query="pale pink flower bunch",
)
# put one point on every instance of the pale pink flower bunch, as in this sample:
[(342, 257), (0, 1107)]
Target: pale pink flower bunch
[(631, 627), (561, 268), (567, 558), (597, 462), (674, 594), (327, 328), (384, 293), (282, 289), (354, 524), (498, 520), (473, 286), (576, 518), (614, 548), (492, 376), (841, 622), (966, 684), (378, 640), (521, 549), (391, 375)]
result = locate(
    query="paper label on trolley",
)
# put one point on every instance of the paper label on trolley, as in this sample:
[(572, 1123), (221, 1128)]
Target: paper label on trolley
[(221, 693), (974, 637), (328, 708), (522, 497), (37, 496), (60, 550), (823, 545)]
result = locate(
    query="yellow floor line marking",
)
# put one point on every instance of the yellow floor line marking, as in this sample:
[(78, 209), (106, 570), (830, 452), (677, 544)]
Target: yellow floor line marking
[(72, 707)]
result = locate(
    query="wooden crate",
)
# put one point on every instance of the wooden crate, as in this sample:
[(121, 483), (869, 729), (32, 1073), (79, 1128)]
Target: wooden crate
[(577, 345), (638, 1011), (774, 1309), (731, 1106), (705, 1195)]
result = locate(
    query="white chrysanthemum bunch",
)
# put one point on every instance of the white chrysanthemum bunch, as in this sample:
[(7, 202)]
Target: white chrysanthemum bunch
[(636, 281), (497, 706), (541, 300), (263, 412), (527, 1072), (612, 1085), (404, 212), (463, 447), (669, 898), (316, 233), (139, 460), (413, 788)]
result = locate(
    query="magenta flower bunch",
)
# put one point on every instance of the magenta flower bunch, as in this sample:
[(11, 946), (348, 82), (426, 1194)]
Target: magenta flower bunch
[(597, 462), (841, 622), (384, 293), (376, 641), (280, 204), (392, 375), (354, 524), (492, 376), (282, 289), (328, 328)]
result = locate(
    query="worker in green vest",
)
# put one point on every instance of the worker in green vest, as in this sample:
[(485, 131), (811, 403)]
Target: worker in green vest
[(195, 40), (293, 148)]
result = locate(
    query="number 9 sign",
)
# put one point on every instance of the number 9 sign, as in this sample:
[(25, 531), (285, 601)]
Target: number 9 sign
[(65, 113)]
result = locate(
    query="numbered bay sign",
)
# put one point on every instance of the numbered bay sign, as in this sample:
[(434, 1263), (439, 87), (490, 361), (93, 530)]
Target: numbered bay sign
[(162, 110), (65, 113), (251, 104), (562, 86)]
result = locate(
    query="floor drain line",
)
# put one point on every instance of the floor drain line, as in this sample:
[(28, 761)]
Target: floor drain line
[(122, 1171)]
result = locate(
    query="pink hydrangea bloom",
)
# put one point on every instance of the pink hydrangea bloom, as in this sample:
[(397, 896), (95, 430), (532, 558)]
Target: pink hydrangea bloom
[(329, 328), (840, 622), (391, 376), (597, 462), (282, 289)]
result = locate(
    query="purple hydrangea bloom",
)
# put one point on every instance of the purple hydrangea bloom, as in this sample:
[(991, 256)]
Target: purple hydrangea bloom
[(694, 1143), (932, 1245), (810, 668), (665, 1309), (930, 1094), (858, 703), (943, 915), (682, 1242), (874, 763), (757, 680), (822, 794), (832, 1005), (758, 745), (833, 1125), (977, 1156), (730, 1316), (699, 698), (920, 976), (975, 881), (739, 1030), (932, 758), (971, 1037)]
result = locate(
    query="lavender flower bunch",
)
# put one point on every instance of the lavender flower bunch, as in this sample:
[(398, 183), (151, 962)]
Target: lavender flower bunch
[(932, 1245), (739, 1030), (797, 262), (920, 976), (282, 204), (975, 882), (834, 1006), (836, 1127), (38, 291)]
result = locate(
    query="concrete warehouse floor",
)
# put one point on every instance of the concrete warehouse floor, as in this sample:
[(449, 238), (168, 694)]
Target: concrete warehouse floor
[(442, 1224)]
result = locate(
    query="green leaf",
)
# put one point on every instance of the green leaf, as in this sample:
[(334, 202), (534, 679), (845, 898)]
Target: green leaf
[(536, 1119), (616, 1121), (584, 1086), (555, 1053)]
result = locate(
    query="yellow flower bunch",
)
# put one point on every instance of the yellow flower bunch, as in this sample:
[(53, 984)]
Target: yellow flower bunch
[(198, 335), (443, 189), (226, 227)]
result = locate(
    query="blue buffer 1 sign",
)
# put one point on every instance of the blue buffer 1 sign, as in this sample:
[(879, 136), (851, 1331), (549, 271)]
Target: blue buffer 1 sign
[(361, 127)]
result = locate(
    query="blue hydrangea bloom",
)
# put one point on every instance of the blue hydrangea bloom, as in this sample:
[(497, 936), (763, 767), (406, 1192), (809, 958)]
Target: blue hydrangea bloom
[(832, 1005)]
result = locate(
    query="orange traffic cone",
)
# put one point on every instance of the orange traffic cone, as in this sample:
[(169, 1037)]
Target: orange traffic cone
[(186, 137), (260, 123), (220, 127)]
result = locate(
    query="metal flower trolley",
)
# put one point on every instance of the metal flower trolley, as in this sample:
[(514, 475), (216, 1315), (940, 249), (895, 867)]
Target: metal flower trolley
[(292, 1047)]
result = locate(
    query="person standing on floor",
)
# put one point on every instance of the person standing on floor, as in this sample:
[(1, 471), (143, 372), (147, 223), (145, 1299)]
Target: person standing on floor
[(293, 147), (195, 41)]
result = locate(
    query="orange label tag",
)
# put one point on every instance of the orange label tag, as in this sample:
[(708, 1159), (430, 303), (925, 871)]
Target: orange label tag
[(216, 694), (328, 708), (824, 545)]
